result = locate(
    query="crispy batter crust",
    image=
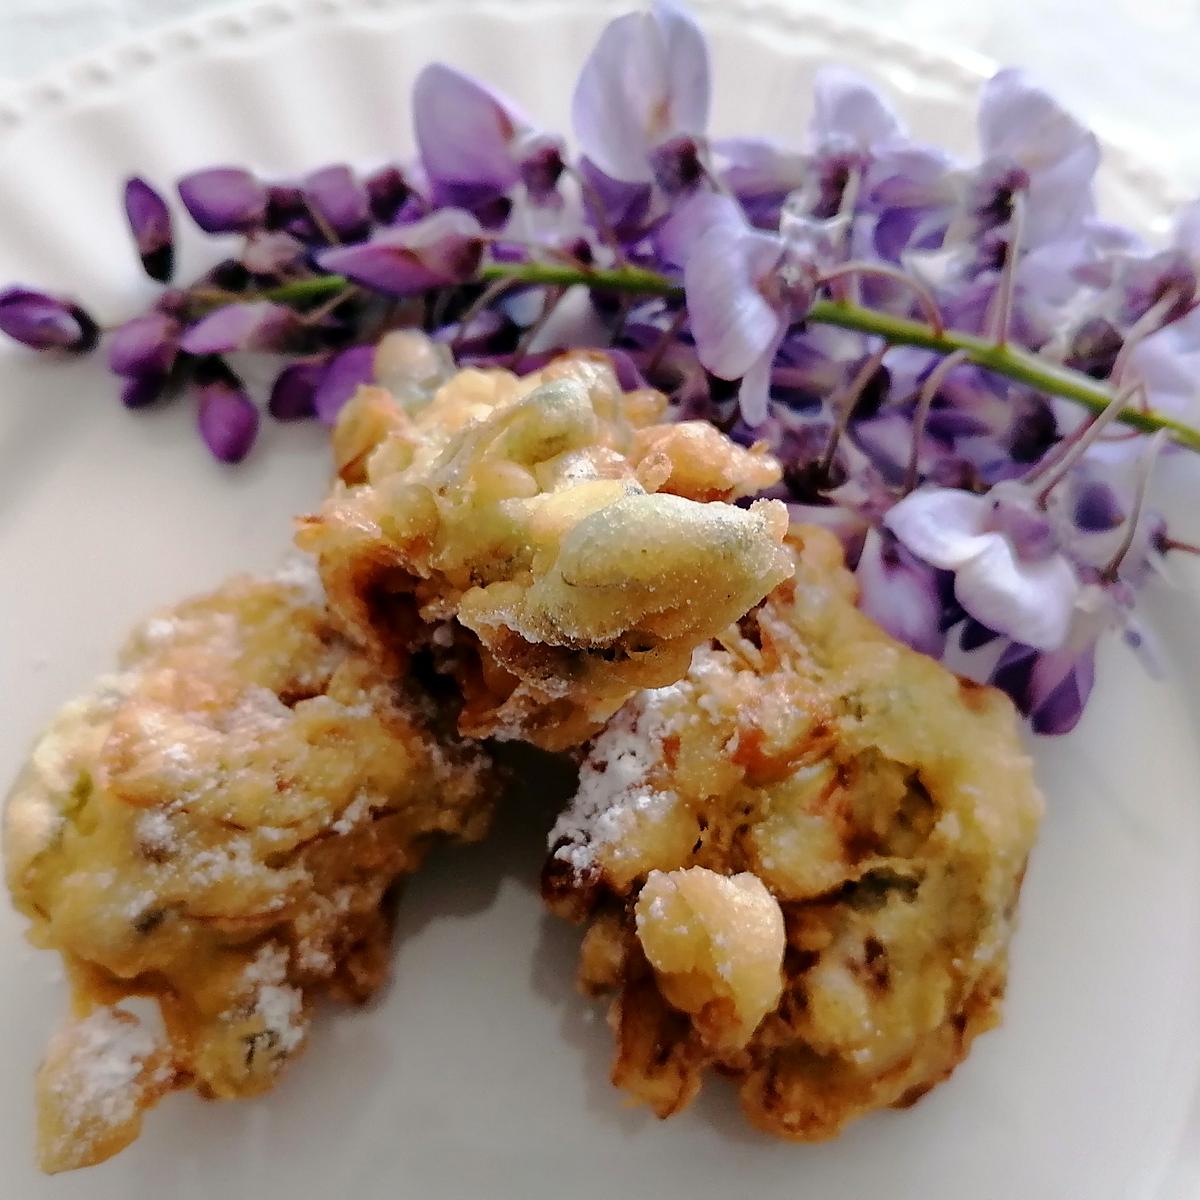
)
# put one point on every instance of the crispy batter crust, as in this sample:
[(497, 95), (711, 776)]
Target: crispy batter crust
[(558, 548), (217, 827), (887, 807)]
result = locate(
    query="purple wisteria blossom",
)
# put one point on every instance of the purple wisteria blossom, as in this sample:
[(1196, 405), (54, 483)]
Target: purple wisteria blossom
[(444, 248), (944, 353), (645, 84), (44, 322), (150, 223)]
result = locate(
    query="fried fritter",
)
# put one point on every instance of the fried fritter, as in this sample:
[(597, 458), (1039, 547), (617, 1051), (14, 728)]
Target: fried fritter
[(799, 864), (217, 828), (559, 548)]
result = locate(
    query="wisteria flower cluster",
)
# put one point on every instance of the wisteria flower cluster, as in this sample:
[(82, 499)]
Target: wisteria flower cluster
[(966, 372)]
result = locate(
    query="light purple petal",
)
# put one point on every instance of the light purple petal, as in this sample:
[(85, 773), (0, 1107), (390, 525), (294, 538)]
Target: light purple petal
[(406, 260), (1020, 123), (732, 321), (341, 380), (224, 199), (227, 419), (646, 80), (44, 322), (465, 132), (145, 346), (754, 393), (150, 223), (848, 110), (1030, 601), (941, 525), (257, 325), (691, 221), (685, 55), (900, 594), (335, 195), (272, 253)]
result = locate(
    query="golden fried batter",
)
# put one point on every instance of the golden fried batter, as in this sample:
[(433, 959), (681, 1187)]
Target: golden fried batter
[(558, 548), (800, 864), (216, 827)]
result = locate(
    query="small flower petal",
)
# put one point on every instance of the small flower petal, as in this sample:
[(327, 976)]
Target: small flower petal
[(256, 325), (272, 253), (465, 133), (900, 593), (144, 347), (224, 199), (646, 80), (941, 525), (732, 320), (1032, 601), (341, 380), (848, 111), (140, 391), (293, 394), (405, 260), (388, 192), (150, 222), (44, 322), (226, 416), (335, 196)]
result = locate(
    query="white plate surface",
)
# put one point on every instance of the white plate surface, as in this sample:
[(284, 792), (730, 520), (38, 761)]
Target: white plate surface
[(481, 1072)]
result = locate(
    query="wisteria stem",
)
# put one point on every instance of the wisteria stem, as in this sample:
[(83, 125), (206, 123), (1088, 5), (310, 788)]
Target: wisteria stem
[(1013, 362)]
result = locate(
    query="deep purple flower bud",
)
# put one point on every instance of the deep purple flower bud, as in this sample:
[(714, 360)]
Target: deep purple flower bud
[(677, 165), (224, 199), (229, 275), (387, 193), (140, 391), (226, 416), (150, 222), (293, 392), (145, 347), (1094, 348), (44, 322), (341, 380), (272, 253), (258, 325), (1097, 508), (337, 199), (405, 260), (1034, 430), (284, 203), (304, 228), (541, 167)]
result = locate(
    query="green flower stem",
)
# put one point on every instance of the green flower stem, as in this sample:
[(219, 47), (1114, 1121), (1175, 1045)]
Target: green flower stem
[(1007, 360)]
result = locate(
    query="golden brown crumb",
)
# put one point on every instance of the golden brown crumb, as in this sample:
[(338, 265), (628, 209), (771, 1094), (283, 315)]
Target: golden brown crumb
[(884, 819), (217, 828), (556, 547)]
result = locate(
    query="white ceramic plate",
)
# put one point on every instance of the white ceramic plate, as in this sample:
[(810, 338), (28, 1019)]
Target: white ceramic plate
[(482, 1072)]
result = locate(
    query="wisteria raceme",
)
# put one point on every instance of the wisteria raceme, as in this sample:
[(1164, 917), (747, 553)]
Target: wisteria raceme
[(957, 362)]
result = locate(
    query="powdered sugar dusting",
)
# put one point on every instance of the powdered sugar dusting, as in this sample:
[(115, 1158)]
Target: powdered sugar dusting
[(277, 1003), (614, 782), (300, 572), (98, 1076)]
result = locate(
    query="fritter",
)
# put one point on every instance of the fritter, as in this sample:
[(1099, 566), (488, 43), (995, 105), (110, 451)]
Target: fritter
[(556, 546), (799, 864), (217, 827)]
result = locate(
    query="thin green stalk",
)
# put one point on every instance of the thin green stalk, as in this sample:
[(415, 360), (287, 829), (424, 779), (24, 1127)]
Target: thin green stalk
[(1014, 363)]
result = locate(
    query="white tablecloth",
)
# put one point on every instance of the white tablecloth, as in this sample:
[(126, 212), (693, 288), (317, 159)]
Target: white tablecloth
[(1130, 66)]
